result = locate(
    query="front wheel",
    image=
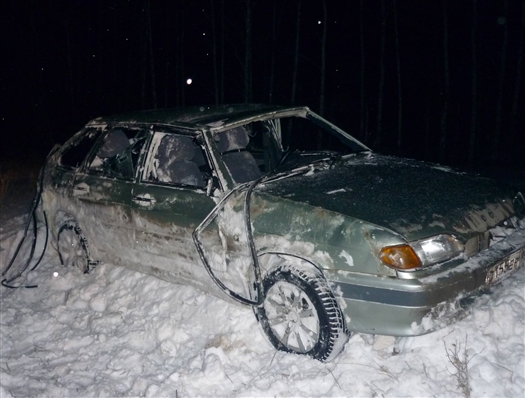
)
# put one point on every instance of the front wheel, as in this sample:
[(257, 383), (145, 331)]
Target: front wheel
[(300, 314)]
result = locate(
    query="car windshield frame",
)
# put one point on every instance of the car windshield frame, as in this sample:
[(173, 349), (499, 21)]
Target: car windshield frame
[(224, 125)]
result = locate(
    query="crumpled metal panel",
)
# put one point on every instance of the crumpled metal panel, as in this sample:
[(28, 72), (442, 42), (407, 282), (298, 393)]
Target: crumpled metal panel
[(414, 199)]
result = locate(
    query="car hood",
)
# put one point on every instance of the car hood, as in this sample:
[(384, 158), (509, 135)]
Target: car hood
[(412, 198)]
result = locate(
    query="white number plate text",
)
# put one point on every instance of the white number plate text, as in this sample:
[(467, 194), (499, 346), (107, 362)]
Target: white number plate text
[(510, 264)]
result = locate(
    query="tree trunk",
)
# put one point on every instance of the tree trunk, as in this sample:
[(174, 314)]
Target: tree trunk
[(517, 86), (474, 107), (248, 54), (178, 75), (381, 77), (70, 69), (499, 107), (150, 53), (98, 58), (40, 101), (117, 96), (399, 92), (222, 53), (323, 62), (168, 54), (296, 57), (444, 112), (272, 55), (362, 109), (427, 122), (214, 54), (181, 84), (144, 64), (323, 73)]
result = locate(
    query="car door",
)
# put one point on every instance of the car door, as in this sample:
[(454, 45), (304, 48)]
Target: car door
[(224, 239), (168, 203), (104, 190)]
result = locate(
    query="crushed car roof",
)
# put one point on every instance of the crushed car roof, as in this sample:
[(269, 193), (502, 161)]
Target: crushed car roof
[(198, 115)]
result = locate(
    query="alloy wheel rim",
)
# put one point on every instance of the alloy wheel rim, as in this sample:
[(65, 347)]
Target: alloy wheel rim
[(292, 316)]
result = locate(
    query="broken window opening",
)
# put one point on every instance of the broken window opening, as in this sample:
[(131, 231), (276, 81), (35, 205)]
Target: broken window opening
[(76, 152), (118, 156), (177, 160), (250, 151)]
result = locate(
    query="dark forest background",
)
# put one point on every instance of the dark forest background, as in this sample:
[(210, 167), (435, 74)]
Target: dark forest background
[(438, 80)]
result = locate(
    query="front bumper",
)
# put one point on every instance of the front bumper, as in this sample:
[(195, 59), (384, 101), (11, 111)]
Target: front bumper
[(423, 301)]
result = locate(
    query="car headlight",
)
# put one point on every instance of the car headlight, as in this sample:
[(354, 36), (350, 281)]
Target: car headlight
[(421, 253)]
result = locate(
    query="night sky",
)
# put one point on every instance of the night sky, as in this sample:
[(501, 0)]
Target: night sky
[(461, 68)]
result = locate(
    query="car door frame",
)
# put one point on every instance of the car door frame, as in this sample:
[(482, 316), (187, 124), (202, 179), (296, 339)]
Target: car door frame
[(97, 200), (228, 190), (155, 203)]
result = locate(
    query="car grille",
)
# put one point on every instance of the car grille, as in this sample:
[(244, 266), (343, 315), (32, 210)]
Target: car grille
[(488, 238)]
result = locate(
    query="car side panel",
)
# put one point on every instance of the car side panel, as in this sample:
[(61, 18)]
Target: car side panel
[(163, 230), (105, 209)]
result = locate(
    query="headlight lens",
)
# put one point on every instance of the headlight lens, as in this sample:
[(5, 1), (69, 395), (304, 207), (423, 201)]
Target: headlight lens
[(437, 249), (422, 252)]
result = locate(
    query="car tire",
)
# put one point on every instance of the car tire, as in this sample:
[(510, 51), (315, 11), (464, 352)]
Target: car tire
[(300, 314), (72, 246)]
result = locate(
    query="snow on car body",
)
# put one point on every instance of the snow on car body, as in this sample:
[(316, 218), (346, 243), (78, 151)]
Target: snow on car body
[(286, 212)]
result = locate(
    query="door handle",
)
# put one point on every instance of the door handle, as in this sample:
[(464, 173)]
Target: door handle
[(145, 200), (80, 189)]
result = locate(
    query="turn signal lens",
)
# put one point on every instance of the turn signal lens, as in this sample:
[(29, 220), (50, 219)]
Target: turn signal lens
[(400, 257)]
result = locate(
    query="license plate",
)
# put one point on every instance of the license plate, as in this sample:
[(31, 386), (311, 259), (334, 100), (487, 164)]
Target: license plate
[(505, 267)]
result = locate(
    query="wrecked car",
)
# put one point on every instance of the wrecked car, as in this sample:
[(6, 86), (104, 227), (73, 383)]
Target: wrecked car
[(279, 209)]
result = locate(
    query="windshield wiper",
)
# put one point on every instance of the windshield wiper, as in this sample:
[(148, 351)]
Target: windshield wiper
[(289, 164)]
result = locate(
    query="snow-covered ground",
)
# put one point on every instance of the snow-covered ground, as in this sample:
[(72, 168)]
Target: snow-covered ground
[(117, 332)]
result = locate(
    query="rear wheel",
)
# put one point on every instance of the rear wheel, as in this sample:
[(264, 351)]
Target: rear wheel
[(300, 314), (72, 246)]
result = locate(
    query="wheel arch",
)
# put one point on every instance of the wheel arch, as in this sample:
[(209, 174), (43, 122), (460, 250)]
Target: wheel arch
[(271, 260), (276, 265), (60, 218)]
